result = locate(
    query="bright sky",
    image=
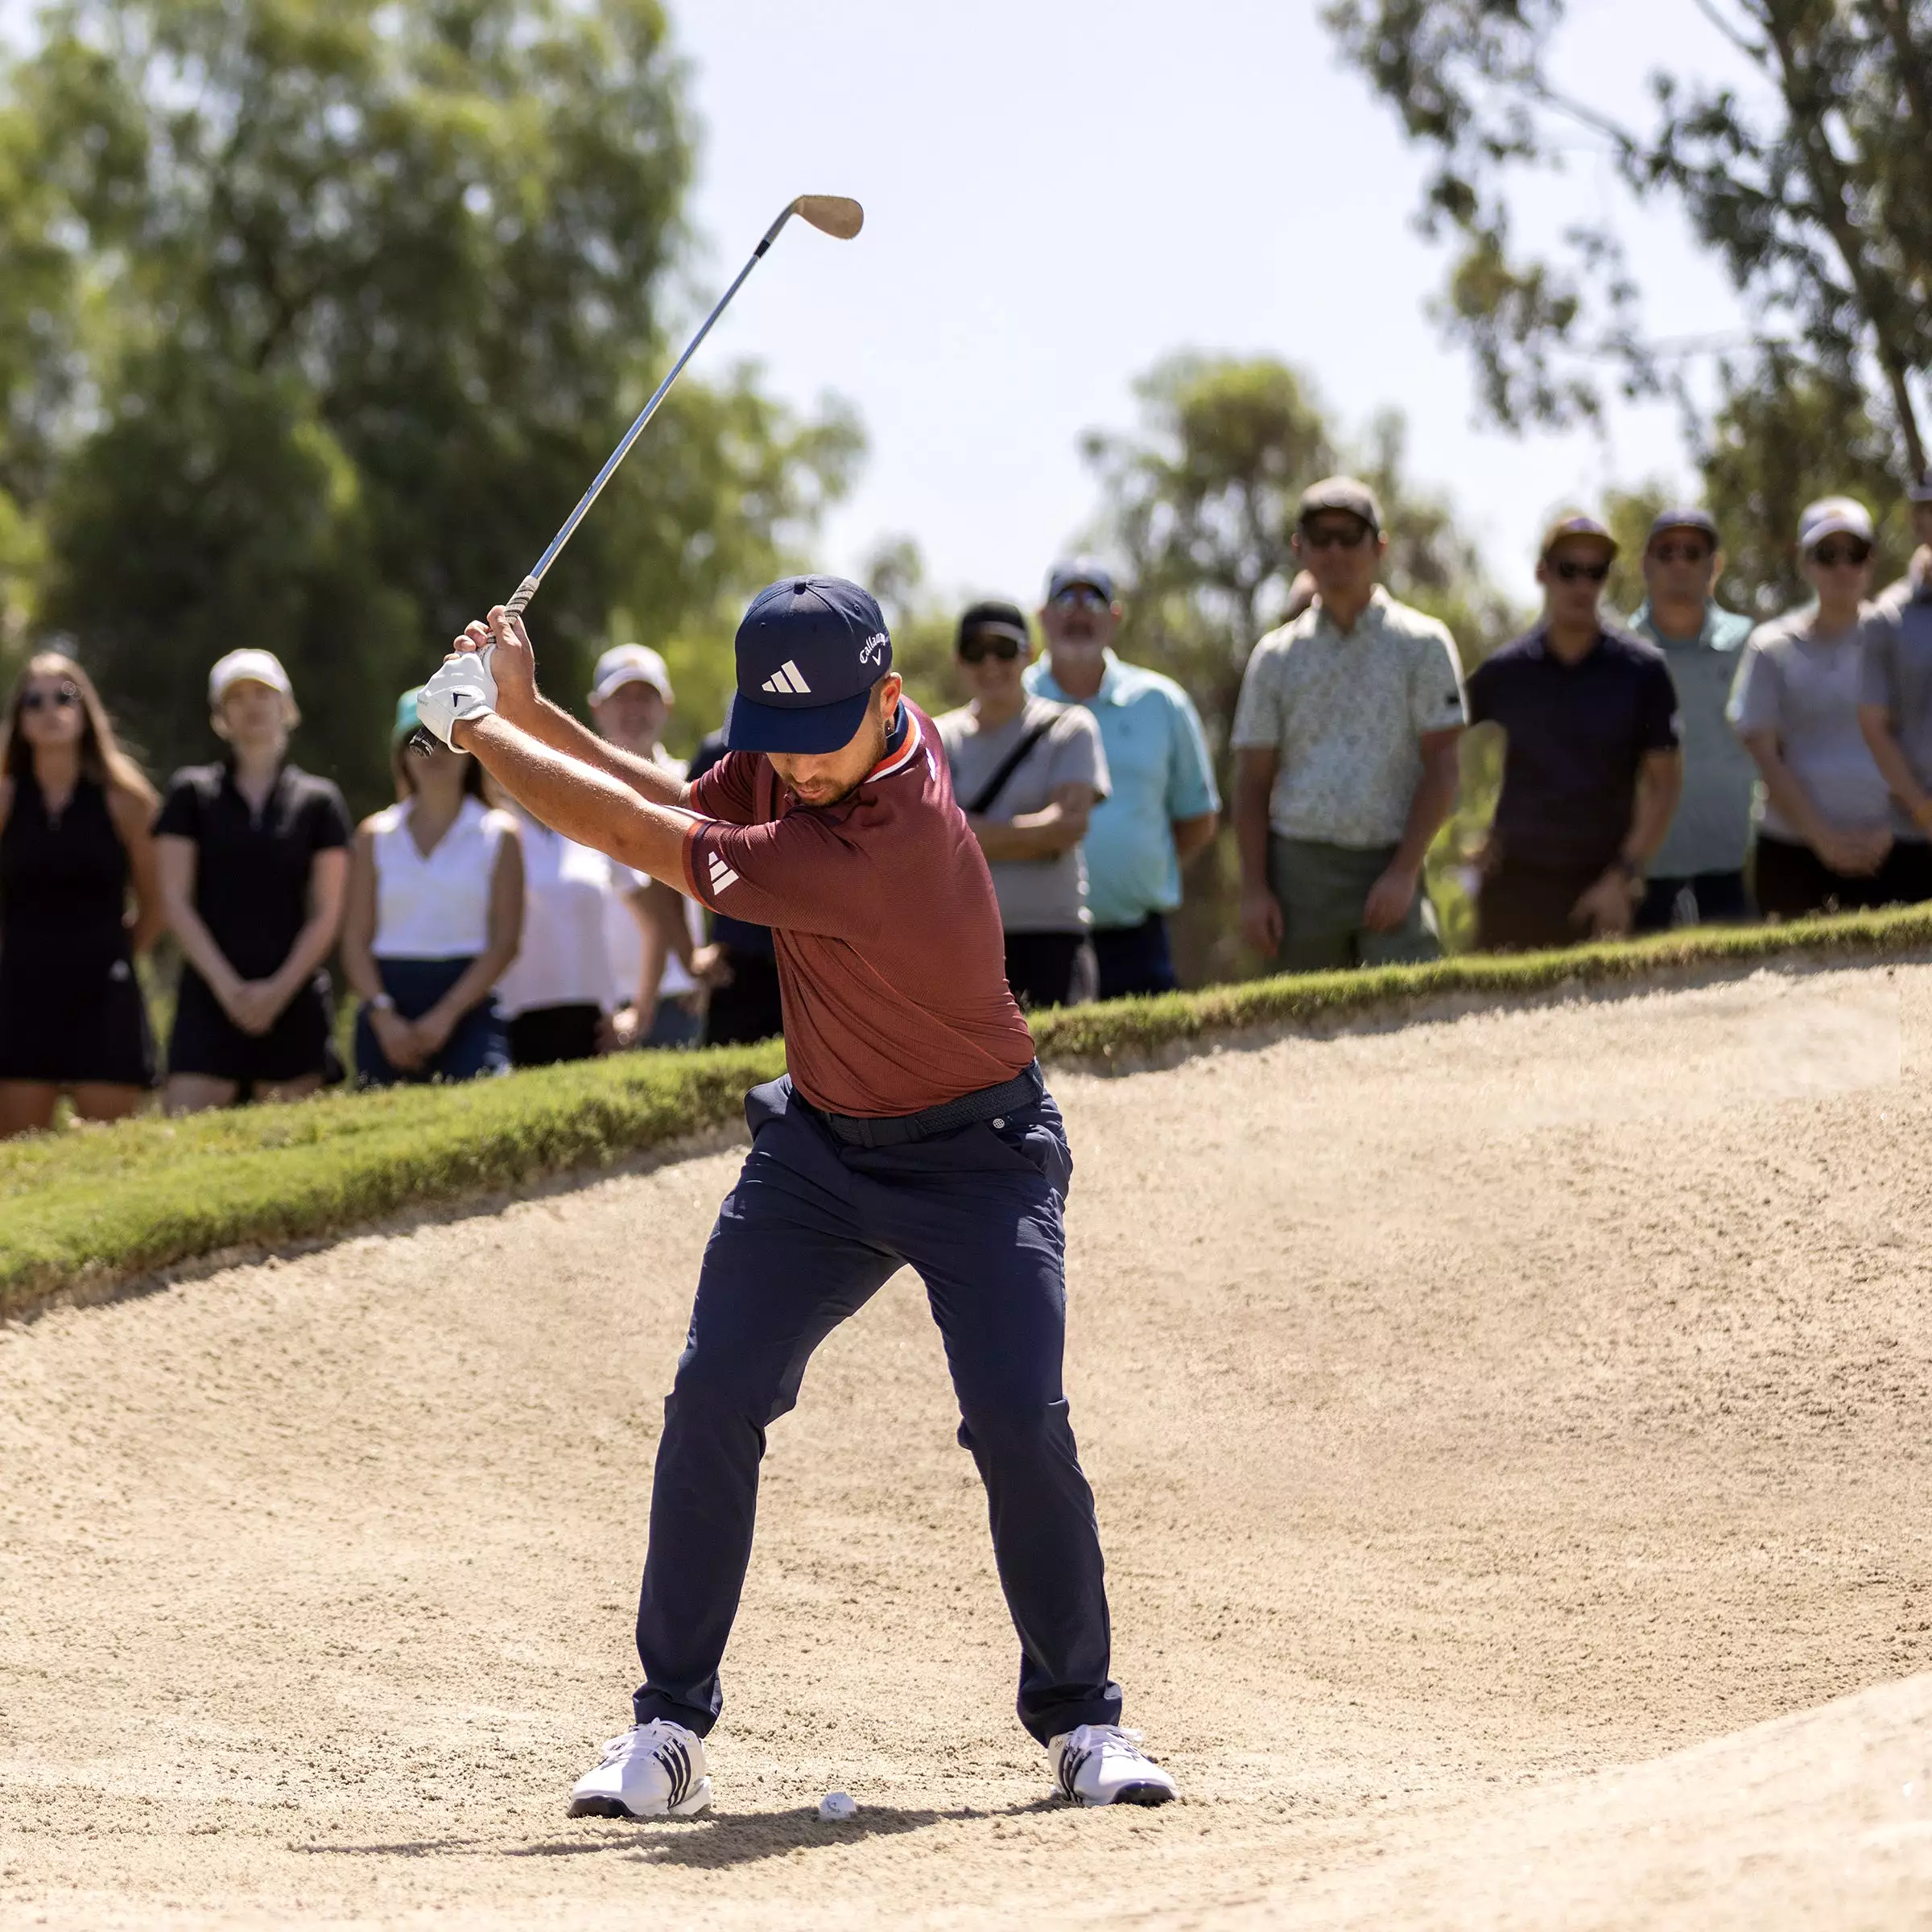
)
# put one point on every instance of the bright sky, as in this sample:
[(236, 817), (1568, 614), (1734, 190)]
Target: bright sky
[(1058, 193)]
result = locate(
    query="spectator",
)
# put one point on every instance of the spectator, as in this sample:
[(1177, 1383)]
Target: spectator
[(252, 870), (74, 816), (1825, 843), (1161, 807), (1027, 773), (1592, 769), (1698, 872), (436, 911), (740, 964), (1345, 742), (558, 995), (1895, 710), (653, 933)]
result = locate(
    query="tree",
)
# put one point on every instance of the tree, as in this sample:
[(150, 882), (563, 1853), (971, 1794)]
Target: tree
[(1200, 503), (1815, 192), (366, 291)]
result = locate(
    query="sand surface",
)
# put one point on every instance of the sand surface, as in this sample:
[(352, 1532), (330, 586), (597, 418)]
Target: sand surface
[(1511, 1441)]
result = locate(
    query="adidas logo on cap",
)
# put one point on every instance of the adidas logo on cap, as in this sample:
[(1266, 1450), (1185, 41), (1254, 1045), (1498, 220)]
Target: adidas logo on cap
[(722, 874), (787, 680)]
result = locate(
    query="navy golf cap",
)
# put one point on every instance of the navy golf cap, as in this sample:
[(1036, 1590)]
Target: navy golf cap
[(809, 651)]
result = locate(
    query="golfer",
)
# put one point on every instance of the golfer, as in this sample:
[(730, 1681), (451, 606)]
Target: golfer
[(913, 1126)]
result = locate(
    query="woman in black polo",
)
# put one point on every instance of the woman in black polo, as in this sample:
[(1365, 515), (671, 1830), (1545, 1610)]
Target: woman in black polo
[(254, 861), (78, 900)]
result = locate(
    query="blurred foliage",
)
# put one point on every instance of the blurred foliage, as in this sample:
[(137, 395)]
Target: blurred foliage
[(1200, 507), (1807, 173), (316, 321)]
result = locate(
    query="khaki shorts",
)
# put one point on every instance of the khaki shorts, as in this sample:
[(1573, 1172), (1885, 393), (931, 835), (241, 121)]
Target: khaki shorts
[(1322, 890)]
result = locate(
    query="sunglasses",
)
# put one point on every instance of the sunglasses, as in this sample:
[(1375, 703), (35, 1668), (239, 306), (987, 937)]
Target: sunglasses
[(986, 644), (60, 699), (1681, 553), (1570, 570), (1334, 536), (1081, 596), (1832, 555)]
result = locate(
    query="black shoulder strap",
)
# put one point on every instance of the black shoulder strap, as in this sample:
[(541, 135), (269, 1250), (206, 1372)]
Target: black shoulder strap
[(983, 799)]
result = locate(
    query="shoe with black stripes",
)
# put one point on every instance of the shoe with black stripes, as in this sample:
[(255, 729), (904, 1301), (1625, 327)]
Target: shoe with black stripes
[(1102, 1764), (653, 1770)]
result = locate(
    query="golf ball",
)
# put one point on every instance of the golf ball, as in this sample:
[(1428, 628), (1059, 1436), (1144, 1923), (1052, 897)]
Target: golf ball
[(836, 1805)]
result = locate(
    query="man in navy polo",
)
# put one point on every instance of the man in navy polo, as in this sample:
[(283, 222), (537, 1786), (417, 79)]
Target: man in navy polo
[(1697, 875), (912, 1127), (1592, 769), (1163, 807)]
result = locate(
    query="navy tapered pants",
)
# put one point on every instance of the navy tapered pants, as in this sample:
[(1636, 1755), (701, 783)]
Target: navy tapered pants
[(811, 1231)]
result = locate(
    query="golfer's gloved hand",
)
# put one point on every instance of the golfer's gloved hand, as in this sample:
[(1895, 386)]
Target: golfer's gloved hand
[(463, 688)]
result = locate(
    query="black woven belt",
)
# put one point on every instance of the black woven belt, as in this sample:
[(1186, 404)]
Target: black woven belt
[(895, 1130)]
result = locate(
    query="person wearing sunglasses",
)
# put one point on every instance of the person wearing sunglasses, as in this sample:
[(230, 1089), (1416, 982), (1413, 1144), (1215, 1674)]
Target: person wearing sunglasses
[(79, 899), (1162, 807), (1345, 745), (1824, 842), (1592, 766), (1027, 773), (1895, 705), (1697, 875)]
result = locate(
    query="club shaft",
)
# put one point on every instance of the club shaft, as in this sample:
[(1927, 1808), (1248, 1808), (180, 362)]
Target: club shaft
[(528, 587)]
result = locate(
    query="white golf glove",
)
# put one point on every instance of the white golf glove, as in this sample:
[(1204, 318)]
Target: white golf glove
[(462, 688)]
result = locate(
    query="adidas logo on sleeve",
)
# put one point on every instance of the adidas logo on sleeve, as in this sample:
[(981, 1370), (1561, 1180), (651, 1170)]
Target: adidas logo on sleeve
[(722, 874), (787, 680)]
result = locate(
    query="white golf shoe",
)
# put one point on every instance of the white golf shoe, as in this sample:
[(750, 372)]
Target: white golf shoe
[(1102, 1764), (653, 1770)]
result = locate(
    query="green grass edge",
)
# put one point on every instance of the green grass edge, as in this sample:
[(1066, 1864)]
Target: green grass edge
[(100, 1205)]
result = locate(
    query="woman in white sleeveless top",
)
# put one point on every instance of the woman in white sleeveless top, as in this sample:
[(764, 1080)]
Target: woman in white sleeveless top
[(558, 994), (436, 909)]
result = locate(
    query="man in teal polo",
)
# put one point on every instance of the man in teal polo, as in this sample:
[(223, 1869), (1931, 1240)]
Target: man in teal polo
[(1698, 876), (1163, 807)]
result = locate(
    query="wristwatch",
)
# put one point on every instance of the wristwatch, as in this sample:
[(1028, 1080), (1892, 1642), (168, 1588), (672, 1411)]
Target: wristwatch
[(382, 1003)]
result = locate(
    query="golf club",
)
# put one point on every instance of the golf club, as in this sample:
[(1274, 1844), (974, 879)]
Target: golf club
[(835, 215)]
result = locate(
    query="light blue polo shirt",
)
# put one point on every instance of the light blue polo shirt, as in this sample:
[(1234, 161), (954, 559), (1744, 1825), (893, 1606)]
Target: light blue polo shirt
[(1156, 760), (1711, 831)]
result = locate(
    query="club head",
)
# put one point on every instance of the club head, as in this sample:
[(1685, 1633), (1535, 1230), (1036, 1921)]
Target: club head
[(836, 215)]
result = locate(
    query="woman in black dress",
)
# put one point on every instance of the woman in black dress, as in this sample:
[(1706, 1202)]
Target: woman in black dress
[(254, 859), (74, 816)]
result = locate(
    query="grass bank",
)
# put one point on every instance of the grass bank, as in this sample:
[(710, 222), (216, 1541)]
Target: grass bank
[(105, 1204)]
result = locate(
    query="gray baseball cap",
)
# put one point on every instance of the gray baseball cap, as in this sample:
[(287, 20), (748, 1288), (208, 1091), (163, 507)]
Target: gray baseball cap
[(1344, 493), (1683, 517), (1834, 516), (1080, 570)]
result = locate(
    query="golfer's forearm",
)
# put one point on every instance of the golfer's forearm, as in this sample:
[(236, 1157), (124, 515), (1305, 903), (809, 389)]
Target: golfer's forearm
[(589, 806), (552, 725)]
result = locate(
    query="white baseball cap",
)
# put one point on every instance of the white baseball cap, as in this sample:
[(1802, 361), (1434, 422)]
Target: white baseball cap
[(247, 667), (630, 664), (1834, 516)]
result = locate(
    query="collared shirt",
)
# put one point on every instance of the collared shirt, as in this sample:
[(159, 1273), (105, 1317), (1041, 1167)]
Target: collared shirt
[(1049, 893), (1898, 675), (1578, 735), (252, 869), (892, 967), (1157, 763), (1344, 710), (1805, 690), (1711, 830)]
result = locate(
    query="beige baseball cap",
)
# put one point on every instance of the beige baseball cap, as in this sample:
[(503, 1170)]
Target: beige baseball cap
[(1574, 523), (246, 667), (631, 664), (1348, 494)]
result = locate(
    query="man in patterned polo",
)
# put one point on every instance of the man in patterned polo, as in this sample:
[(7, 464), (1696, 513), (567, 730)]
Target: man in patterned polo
[(1345, 749)]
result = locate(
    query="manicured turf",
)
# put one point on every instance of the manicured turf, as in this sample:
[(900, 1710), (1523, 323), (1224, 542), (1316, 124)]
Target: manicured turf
[(115, 1202)]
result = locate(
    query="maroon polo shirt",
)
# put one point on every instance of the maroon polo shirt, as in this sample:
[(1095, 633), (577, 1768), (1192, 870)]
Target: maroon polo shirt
[(891, 960)]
